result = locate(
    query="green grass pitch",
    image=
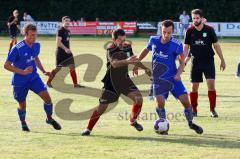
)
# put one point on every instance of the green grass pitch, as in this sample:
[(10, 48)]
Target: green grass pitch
[(112, 136)]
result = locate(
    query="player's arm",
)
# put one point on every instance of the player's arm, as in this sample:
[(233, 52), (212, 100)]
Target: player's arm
[(119, 63), (61, 45), (185, 55), (142, 55), (218, 50), (11, 21), (40, 66), (8, 66), (180, 67)]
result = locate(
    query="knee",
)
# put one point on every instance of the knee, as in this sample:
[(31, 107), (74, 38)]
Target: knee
[(139, 100)]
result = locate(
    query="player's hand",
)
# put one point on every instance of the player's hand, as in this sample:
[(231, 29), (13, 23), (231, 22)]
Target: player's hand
[(132, 60), (27, 70), (222, 65), (148, 72), (47, 73), (68, 51), (135, 71), (177, 77)]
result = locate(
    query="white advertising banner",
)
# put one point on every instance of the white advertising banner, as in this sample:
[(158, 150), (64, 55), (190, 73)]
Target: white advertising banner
[(44, 27), (230, 29)]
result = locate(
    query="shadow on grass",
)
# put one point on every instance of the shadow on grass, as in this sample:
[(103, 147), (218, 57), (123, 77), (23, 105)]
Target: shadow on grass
[(208, 140), (205, 140)]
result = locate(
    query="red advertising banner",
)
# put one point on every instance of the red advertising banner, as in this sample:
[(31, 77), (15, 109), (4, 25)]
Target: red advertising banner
[(101, 28), (82, 28), (106, 28)]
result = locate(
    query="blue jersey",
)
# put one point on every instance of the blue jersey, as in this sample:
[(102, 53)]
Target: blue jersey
[(164, 56), (22, 56)]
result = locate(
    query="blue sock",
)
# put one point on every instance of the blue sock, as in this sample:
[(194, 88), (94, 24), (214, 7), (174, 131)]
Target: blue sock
[(238, 71), (22, 115), (49, 110), (189, 115), (161, 112)]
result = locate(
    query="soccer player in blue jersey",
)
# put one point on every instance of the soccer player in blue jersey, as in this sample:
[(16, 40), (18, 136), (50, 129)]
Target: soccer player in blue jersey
[(166, 77), (23, 61)]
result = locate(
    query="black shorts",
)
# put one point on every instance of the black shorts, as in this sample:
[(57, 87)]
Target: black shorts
[(111, 93), (197, 72), (13, 34), (63, 59)]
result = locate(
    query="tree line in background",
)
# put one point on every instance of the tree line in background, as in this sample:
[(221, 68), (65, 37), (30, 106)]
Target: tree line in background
[(121, 10)]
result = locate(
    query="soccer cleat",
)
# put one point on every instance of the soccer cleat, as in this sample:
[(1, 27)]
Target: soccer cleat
[(194, 114), (137, 126), (237, 75), (214, 114), (196, 128), (25, 128), (55, 124), (49, 84), (86, 132), (78, 86)]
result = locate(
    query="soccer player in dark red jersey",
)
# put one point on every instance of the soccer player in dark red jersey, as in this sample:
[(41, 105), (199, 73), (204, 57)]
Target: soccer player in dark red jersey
[(200, 38), (64, 56), (117, 81), (13, 27)]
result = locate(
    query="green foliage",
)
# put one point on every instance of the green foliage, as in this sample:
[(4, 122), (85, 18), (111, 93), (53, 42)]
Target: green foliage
[(140, 10)]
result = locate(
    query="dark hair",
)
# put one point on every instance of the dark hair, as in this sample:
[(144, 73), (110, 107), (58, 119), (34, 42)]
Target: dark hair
[(118, 32), (29, 27), (168, 23), (197, 11), (65, 17)]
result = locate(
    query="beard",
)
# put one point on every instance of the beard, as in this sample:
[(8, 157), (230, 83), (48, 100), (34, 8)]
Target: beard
[(197, 23)]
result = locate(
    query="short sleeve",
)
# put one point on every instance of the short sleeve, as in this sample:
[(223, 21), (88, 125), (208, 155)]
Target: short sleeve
[(179, 49), (60, 33), (149, 45), (214, 38), (37, 49), (187, 38), (12, 55)]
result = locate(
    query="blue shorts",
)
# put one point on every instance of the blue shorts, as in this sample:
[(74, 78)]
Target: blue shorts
[(36, 85), (162, 87)]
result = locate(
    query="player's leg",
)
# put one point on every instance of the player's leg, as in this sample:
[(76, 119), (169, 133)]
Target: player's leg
[(48, 108), (12, 42), (180, 93), (137, 99), (52, 75), (108, 96), (189, 114), (94, 118), (38, 87), (196, 78), (160, 109), (209, 73), (212, 97), (20, 94), (74, 76)]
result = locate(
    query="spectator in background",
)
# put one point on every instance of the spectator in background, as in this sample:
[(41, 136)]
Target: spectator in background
[(27, 17), (13, 27), (184, 21), (82, 19)]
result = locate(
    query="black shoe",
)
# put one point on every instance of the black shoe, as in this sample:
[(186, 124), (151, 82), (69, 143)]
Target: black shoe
[(196, 128), (25, 128), (78, 86), (214, 114), (55, 124), (194, 114), (137, 126), (86, 132)]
